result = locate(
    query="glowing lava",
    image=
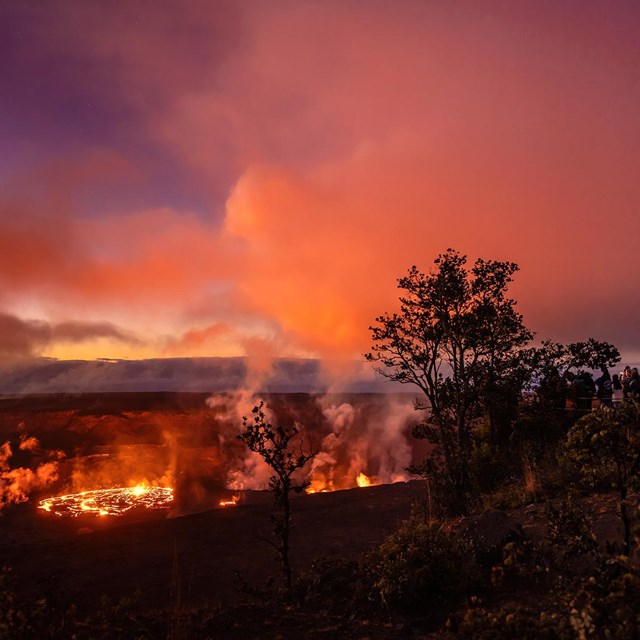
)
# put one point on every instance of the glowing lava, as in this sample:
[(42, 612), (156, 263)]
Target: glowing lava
[(320, 486), (229, 503), (363, 481), (108, 502)]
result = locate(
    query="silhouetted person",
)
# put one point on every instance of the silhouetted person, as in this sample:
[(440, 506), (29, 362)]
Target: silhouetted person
[(604, 388), (553, 390), (626, 379), (591, 389), (633, 390), (582, 391), (617, 389)]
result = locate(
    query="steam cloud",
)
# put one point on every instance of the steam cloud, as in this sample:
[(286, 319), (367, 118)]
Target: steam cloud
[(376, 445), (249, 471), (16, 484), (197, 451), (373, 442)]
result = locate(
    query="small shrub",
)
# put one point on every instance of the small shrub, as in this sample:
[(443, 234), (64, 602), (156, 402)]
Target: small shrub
[(421, 569), (507, 497), (570, 530), (605, 447), (487, 468), (559, 471), (33, 617), (442, 496), (514, 621), (603, 604), (332, 584), (14, 622), (606, 604), (118, 616), (524, 565)]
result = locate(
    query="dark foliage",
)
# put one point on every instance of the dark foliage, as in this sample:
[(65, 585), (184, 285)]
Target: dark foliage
[(605, 448), (421, 569), (514, 621), (282, 448), (334, 585), (457, 338)]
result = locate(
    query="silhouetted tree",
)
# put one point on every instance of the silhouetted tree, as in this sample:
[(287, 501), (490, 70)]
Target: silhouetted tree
[(457, 338), (554, 367), (556, 372), (552, 361), (282, 449)]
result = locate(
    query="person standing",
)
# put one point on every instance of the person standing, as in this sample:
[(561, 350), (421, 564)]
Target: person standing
[(582, 390), (633, 390), (604, 388), (626, 379), (617, 390)]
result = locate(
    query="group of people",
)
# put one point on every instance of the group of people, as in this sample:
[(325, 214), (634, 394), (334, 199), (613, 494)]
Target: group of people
[(610, 390)]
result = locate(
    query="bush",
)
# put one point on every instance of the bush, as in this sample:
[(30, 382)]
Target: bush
[(14, 621), (514, 621), (421, 569), (604, 604), (607, 603), (604, 445), (48, 615), (559, 471), (332, 584), (570, 530), (487, 468), (52, 615), (507, 497)]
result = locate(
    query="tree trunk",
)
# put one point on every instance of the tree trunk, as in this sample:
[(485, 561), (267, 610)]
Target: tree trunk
[(286, 526), (626, 523)]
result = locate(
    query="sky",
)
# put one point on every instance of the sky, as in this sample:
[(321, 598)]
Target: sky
[(212, 178)]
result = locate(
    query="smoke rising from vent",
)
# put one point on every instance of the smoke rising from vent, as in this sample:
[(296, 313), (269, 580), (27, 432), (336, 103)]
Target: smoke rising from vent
[(374, 445), (249, 471), (189, 442), (347, 439), (17, 483)]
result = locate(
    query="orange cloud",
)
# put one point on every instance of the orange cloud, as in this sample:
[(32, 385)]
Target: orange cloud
[(348, 145), (212, 339)]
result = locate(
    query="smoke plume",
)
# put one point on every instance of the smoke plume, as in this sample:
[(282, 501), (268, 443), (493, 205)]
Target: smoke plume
[(17, 483), (375, 445)]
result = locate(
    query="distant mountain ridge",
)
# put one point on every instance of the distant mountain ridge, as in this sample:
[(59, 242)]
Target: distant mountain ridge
[(45, 375)]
